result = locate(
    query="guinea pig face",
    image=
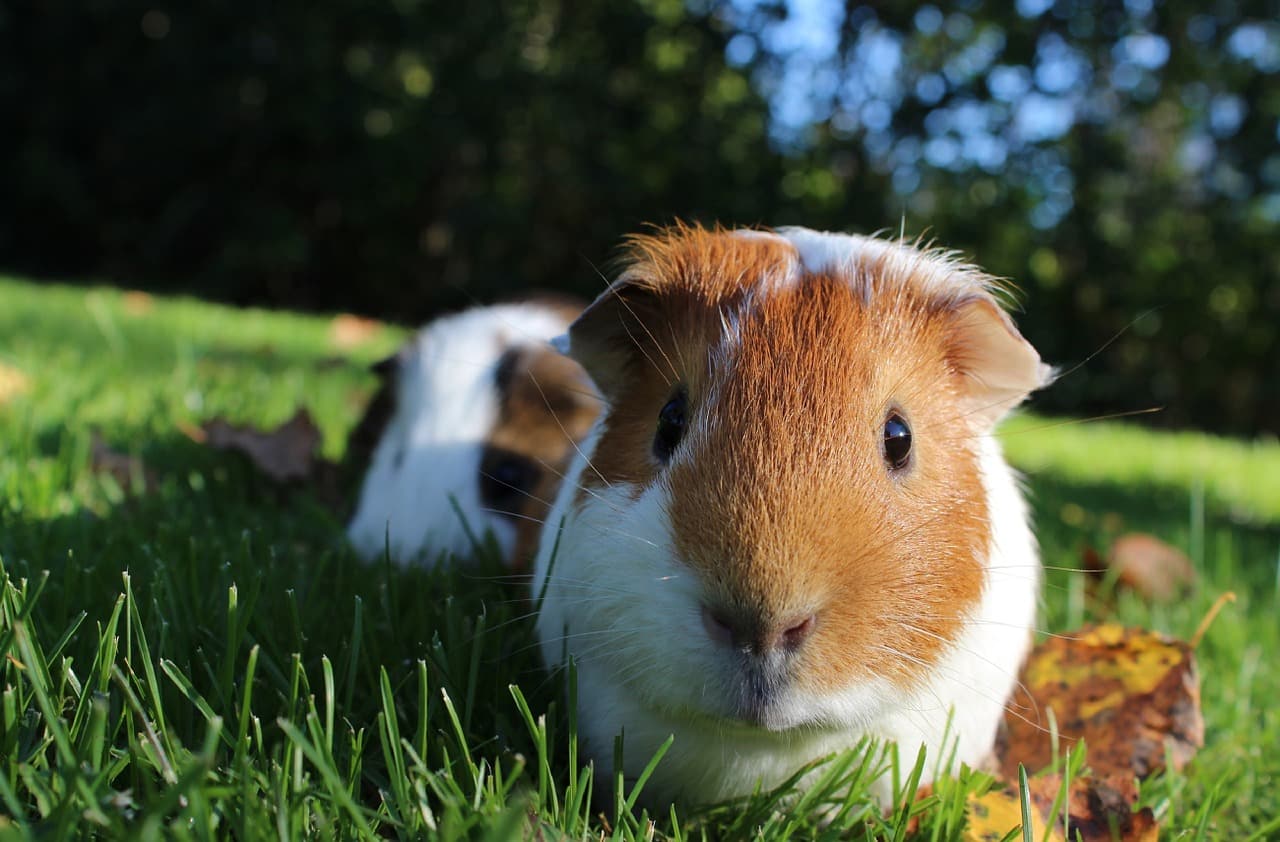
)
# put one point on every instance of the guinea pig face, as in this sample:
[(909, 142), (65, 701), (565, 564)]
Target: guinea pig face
[(783, 521)]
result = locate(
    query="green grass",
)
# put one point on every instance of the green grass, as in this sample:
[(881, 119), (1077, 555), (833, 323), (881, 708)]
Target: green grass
[(208, 660)]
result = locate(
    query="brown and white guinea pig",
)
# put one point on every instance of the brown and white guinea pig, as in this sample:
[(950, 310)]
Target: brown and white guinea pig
[(791, 526), (479, 411)]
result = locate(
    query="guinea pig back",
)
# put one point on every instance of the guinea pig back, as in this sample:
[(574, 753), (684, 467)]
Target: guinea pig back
[(791, 526)]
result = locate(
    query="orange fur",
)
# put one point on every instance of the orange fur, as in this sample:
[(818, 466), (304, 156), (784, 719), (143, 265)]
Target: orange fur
[(780, 498)]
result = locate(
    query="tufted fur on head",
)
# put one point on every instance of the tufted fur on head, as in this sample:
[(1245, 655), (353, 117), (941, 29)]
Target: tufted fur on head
[(474, 426), (774, 588)]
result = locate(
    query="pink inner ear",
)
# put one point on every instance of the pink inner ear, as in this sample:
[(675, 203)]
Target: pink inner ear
[(1001, 367)]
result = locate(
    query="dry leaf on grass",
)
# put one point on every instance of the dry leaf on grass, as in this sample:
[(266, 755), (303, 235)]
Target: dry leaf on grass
[(191, 431), (348, 331), (137, 303), (1132, 695), (129, 472), (1129, 693), (993, 814), (12, 383), (1097, 810), (1149, 566), (285, 453)]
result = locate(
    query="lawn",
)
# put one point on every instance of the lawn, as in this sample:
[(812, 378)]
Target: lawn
[(191, 650)]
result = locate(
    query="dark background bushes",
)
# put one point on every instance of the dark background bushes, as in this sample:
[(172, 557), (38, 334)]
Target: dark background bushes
[(401, 158)]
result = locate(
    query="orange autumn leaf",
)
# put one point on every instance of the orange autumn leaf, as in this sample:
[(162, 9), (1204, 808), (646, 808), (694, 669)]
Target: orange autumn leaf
[(1096, 809), (1131, 694), (12, 383), (348, 331), (137, 303), (993, 814)]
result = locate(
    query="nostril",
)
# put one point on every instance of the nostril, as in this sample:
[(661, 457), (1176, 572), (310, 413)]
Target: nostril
[(795, 632), (717, 626)]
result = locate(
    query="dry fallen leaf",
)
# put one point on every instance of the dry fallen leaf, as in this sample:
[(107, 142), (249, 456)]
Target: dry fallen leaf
[(1130, 694), (1096, 810), (191, 431), (129, 472), (348, 331), (992, 815), (1099, 809), (137, 303), (286, 453), (12, 383), (1149, 566)]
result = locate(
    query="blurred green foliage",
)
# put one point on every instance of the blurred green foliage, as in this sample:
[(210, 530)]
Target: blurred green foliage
[(1119, 161), (393, 158)]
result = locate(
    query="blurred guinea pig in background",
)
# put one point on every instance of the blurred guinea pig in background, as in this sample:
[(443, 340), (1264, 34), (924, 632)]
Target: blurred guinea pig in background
[(473, 427)]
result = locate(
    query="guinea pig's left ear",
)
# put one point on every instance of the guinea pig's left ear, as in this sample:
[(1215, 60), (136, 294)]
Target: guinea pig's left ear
[(1000, 367), (606, 337)]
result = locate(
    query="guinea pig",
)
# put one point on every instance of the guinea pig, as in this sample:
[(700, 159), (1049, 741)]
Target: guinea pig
[(476, 411), (791, 526)]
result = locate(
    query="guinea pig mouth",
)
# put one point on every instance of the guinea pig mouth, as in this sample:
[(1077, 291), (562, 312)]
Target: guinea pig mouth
[(757, 696)]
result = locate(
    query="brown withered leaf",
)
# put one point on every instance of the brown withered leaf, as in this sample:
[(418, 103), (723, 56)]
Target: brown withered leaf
[(1129, 693), (348, 331), (129, 472), (1097, 809), (191, 431), (137, 303), (1156, 570), (12, 383), (288, 452)]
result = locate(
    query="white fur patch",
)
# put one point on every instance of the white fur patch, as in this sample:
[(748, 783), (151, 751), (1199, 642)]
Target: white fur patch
[(447, 403), (938, 272), (619, 602), (622, 606)]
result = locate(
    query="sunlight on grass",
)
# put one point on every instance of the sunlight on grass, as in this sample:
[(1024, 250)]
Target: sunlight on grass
[(209, 659)]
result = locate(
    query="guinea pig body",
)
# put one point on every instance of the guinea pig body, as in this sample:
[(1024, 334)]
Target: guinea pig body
[(790, 528), (473, 427)]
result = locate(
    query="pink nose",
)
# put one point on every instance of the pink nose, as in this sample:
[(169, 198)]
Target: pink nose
[(756, 634)]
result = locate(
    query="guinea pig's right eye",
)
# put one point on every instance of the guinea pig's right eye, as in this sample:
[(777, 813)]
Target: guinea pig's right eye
[(671, 424), (897, 442), (507, 480)]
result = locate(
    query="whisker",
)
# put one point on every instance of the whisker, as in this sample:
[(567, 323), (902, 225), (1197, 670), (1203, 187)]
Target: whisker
[(613, 288), (1107, 344), (1151, 410), (565, 432), (515, 488)]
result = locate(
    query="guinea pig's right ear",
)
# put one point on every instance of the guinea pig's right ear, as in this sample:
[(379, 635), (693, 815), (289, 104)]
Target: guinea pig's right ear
[(606, 337), (1000, 367)]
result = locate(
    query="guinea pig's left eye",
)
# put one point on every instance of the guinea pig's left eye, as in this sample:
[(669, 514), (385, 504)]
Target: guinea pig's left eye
[(897, 442), (671, 424)]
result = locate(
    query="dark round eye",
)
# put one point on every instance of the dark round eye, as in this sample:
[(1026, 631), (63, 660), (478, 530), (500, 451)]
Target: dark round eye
[(671, 424), (897, 442), (507, 480)]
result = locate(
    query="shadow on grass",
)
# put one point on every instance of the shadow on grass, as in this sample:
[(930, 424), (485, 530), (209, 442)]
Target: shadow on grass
[(221, 560)]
